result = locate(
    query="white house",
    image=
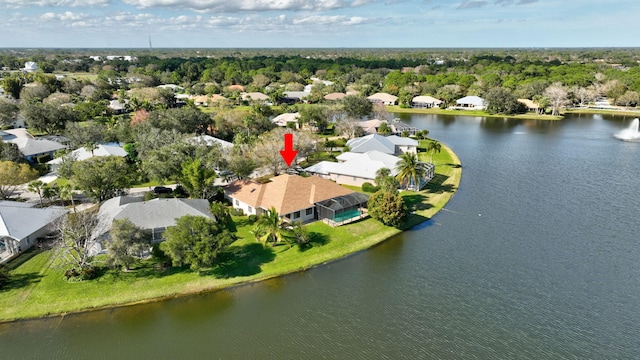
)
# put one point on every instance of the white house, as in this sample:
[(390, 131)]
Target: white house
[(470, 103), (283, 120), (21, 225), (383, 98), (83, 154), (296, 198), (32, 148), (30, 67), (425, 102), (393, 145)]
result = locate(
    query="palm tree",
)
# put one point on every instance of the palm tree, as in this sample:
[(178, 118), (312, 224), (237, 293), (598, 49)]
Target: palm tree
[(37, 186), (410, 170), (66, 192), (433, 147), (269, 227)]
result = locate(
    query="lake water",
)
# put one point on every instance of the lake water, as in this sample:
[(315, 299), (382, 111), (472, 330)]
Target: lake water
[(536, 257)]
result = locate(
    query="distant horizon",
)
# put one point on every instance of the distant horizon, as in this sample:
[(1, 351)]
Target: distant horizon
[(268, 24)]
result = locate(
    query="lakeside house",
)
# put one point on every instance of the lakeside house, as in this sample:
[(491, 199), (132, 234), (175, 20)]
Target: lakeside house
[(393, 144), (297, 198), (397, 127), (383, 98), (154, 215), (21, 225), (470, 103), (425, 102)]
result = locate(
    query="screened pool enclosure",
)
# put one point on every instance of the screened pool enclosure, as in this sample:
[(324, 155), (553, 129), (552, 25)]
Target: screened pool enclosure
[(343, 209)]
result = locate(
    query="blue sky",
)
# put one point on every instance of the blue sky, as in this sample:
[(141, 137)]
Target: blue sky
[(319, 23)]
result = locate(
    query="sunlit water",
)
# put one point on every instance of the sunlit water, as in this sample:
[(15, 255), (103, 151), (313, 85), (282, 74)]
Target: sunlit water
[(536, 257)]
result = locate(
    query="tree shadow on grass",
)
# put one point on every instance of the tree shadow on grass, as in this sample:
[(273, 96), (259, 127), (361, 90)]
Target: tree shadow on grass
[(315, 240), (417, 202), (436, 185), (241, 261), (17, 281)]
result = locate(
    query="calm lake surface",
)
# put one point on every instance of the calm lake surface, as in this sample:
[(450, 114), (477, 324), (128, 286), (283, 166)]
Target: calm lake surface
[(536, 257)]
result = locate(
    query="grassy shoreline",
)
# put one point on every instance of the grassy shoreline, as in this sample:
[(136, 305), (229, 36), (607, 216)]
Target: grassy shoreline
[(527, 116), (38, 288)]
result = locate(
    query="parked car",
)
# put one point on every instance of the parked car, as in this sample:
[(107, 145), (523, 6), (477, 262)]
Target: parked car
[(162, 190)]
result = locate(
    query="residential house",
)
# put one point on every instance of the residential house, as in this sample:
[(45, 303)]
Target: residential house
[(118, 107), (283, 120), (83, 154), (233, 88), (292, 97), (32, 148), (154, 215), (393, 145), (255, 97), (357, 168), (383, 98), (175, 88), (336, 96), (425, 102), (210, 141), (30, 67), (400, 128), (21, 225), (470, 103), (206, 100), (529, 104), (297, 198)]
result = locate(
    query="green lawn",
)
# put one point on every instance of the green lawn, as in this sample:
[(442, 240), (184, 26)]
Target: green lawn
[(38, 288)]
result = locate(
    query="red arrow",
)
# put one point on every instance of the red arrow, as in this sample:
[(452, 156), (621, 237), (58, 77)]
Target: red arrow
[(288, 154)]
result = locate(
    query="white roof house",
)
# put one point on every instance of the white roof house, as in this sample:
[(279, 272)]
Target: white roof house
[(389, 145), (21, 225), (210, 141), (254, 96), (470, 102), (355, 168), (284, 119), (84, 154), (32, 148), (425, 102), (30, 67), (383, 98)]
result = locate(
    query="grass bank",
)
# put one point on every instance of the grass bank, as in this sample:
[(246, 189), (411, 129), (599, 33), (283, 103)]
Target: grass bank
[(603, 112), (38, 288), (526, 116)]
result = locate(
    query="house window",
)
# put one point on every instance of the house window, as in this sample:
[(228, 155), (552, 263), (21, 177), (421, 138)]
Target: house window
[(296, 214), (237, 202), (249, 209), (309, 211), (355, 178)]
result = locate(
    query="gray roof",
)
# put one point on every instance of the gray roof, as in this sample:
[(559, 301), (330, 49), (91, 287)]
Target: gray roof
[(471, 100), (152, 214), (363, 165), (371, 142), (210, 140), (296, 94), (30, 147), (402, 141), (18, 220)]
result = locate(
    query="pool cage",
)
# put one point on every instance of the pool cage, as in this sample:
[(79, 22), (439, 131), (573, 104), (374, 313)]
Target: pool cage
[(342, 209)]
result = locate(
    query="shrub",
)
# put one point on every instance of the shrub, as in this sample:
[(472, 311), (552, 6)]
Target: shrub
[(149, 195), (388, 208), (4, 276), (236, 212), (253, 218), (368, 187)]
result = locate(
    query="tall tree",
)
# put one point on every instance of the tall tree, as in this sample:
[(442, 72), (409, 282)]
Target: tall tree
[(13, 175), (8, 112), (12, 85), (197, 179), (410, 170), (102, 178), (557, 94), (10, 152), (37, 186), (385, 181), (75, 243), (127, 243), (433, 147), (387, 207), (195, 241), (357, 106), (349, 128)]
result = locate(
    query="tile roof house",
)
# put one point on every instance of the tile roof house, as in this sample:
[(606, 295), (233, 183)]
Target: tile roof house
[(294, 197), (21, 225), (335, 96), (155, 215), (425, 102), (384, 98), (206, 100), (255, 96), (283, 120)]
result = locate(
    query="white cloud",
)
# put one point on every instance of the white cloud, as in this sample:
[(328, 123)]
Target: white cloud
[(329, 20), (65, 16), (244, 5), (469, 4), (54, 3)]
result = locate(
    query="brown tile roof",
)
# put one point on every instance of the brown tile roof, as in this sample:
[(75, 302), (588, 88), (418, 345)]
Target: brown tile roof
[(287, 193)]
